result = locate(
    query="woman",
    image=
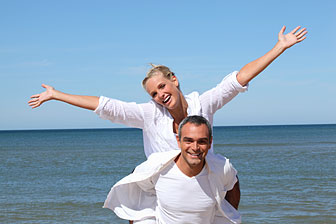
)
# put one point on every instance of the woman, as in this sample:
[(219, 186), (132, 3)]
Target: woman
[(160, 118)]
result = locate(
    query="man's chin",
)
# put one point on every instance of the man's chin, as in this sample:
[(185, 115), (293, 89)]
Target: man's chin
[(194, 162)]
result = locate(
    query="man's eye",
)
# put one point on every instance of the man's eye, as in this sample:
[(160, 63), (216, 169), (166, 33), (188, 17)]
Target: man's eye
[(203, 142)]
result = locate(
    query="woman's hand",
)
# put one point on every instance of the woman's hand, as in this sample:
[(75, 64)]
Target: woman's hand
[(86, 102), (291, 38), (38, 99), (252, 69)]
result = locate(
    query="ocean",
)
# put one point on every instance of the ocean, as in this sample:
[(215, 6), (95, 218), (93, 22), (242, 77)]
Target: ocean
[(287, 173)]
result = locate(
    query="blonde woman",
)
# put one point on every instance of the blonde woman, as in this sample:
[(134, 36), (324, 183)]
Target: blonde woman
[(159, 118)]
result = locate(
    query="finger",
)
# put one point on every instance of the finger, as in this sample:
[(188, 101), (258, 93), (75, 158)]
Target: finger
[(33, 104), (33, 100), (296, 29), (36, 105), (301, 39), (44, 86), (300, 31), (282, 30), (35, 96), (302, 34)]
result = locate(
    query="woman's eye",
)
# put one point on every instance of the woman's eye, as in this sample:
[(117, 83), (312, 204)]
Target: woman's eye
[(162, 86), (153, 95)]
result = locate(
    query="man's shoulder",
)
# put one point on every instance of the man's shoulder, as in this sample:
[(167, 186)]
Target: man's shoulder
[(164, 155), (222, 170), (217, 159), (218, 163), (156, 160)]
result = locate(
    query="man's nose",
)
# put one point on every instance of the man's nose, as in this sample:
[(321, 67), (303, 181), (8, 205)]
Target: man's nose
[(195, 145)]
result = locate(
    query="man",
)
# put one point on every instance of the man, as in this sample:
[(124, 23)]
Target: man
[(180, 186)]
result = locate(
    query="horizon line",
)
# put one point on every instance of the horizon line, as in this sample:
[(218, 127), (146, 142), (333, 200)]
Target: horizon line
[(116, 128)]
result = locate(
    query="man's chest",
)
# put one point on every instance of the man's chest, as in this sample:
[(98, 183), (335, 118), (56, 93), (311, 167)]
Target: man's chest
[(177, 192)]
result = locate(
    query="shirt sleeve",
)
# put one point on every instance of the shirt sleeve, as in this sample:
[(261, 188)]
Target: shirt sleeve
[(215, 98), (146, 185), (130, 114), (230, 176)]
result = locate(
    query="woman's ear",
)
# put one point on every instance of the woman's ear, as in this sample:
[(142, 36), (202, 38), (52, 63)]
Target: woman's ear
[(175, 81)]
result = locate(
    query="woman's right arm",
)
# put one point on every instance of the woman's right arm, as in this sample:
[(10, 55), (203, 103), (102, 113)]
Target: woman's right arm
[(127, 113), (86, 102)]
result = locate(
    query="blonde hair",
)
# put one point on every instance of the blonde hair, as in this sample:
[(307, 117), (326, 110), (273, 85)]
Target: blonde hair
[(158, 70)]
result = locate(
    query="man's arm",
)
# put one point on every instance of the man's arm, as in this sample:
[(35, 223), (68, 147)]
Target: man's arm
[(285, 41), (233, 196)]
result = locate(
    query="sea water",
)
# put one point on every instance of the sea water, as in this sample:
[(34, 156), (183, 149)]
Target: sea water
[(287, 173)]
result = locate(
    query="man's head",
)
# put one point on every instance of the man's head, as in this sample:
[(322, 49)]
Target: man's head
[(194, 140)]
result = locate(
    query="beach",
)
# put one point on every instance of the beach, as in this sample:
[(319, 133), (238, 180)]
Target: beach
[(287, 173)]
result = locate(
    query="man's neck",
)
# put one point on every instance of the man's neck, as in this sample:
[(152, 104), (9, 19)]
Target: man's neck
[(185, 168)]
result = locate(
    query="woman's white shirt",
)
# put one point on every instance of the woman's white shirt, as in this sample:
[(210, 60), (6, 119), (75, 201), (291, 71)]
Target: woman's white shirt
[(156, 121)]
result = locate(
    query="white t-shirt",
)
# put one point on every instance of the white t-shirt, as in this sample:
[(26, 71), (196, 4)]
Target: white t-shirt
[(156, 121), (183, 199), (134, 197)]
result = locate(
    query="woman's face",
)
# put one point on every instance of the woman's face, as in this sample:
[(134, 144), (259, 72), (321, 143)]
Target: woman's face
[(164, 91)]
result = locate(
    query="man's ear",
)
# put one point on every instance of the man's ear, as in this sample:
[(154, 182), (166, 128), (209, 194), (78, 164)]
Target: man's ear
[(210, 141), (178, 141)]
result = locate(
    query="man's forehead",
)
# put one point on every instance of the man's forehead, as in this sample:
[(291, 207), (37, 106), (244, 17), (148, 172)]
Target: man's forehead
[(194, 129)]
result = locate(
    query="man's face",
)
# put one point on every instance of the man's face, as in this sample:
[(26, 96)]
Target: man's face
[(194, 144)]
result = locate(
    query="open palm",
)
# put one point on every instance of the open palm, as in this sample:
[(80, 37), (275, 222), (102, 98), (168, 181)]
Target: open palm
[(38, 99), (291, 38)]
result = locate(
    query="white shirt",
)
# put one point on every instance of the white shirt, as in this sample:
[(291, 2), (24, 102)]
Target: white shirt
[(156, 121), (134, 197), (183, 199)]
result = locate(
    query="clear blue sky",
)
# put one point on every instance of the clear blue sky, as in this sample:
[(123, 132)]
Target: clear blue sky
[(104, 47)]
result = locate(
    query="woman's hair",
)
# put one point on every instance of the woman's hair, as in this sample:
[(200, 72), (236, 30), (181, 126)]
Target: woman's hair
[(158, 70)]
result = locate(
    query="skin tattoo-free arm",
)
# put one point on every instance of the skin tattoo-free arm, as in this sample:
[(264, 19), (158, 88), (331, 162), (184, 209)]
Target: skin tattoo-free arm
[(285, 41), (86, 102), (233, 196)]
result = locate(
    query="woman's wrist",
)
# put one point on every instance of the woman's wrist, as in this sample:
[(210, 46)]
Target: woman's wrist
[(279, 47), (55, 94)]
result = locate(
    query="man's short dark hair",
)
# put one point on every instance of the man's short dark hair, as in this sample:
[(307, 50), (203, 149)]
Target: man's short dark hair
[(197, 120)]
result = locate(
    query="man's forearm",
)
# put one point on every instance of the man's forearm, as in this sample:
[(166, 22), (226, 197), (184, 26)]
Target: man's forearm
[(233, 196)]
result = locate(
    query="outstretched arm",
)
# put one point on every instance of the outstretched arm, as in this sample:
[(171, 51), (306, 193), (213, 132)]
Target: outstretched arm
[(87, 102), (285, 41)]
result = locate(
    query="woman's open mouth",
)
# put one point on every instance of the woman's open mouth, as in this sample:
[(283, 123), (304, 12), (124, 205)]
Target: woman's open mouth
[(166, 100)]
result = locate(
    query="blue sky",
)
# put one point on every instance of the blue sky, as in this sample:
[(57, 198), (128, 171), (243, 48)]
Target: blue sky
[(104, 47)]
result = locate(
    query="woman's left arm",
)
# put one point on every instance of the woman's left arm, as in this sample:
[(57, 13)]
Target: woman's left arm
[(285, 41)]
